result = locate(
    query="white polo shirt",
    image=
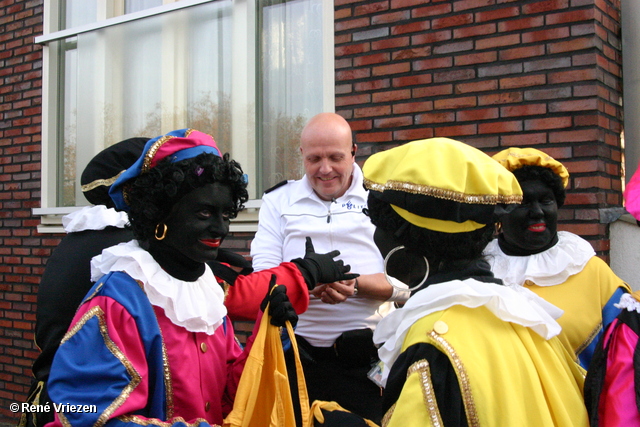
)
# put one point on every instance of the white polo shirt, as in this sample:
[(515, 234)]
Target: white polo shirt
[(294, 211)]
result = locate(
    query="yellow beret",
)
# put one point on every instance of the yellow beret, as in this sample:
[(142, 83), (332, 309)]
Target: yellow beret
[(514, 158), (441, 184)]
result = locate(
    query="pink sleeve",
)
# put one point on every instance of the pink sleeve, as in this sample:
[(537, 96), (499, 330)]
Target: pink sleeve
[(617, 405)]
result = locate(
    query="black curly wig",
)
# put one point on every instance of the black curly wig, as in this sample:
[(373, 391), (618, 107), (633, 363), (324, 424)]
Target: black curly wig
[(152, 195), (436, 246), (544, 175)]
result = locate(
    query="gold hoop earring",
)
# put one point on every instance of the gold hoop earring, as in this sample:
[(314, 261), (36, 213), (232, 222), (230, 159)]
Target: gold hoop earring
[(386, 275), (498, 226), (164, 231)]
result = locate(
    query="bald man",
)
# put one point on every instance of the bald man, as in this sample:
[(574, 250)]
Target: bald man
[(334, 334)]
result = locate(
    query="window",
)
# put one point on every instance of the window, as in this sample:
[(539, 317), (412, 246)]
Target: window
[(248, 72)]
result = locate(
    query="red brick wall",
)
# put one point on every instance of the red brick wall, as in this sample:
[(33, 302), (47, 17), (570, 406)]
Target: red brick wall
[(494, 74), (22, 251)]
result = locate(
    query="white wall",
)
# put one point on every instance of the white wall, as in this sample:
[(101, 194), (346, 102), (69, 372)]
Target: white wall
[(625, 250)]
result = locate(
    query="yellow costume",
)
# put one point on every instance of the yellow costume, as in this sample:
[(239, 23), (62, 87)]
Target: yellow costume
[(507, 374), (464, 350), (568, 274), (587, 297)]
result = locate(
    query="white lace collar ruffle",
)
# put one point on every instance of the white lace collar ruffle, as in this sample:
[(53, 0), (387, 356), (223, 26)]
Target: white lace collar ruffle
[(629, 303), (196, 306), (96, 217), (516, 305), (549, 268)]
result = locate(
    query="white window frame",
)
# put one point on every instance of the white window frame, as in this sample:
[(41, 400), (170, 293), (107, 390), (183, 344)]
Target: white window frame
[(51, 215)]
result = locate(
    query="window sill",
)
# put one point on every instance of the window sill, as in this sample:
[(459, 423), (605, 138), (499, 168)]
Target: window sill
[(51, 218)]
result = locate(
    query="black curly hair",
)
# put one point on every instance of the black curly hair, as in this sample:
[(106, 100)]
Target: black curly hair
[(151, 196), (436, 246), (544, 175)]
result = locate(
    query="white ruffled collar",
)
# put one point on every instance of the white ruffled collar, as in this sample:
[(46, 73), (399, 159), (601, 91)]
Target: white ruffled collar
[(96, 217), (549, 268), (196, 306), (515, 305)]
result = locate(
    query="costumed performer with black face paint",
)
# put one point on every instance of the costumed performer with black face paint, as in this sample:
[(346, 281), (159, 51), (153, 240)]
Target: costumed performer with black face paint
[(464, 349), (152, 343), (67, 276), (559, 266)]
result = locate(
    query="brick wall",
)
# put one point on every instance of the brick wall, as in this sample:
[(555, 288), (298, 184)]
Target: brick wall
[(22, 251), (494, 74)]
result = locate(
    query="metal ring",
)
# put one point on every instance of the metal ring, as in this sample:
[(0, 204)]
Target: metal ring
[(386, 260)]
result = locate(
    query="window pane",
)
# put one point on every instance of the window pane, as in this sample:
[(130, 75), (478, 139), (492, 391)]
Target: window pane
[(131, 6), (148, 77), (292, 81), (220, 67), (79, 12)]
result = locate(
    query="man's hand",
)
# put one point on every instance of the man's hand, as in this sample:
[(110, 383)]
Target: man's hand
[(334, 293)]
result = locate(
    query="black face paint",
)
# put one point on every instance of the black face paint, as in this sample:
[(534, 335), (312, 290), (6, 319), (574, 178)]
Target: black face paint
[(531, 227), (197, 225)]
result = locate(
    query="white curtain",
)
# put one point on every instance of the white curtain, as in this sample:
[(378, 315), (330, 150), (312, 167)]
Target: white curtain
[(292, 82)]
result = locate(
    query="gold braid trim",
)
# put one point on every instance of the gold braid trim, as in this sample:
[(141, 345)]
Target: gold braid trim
[(589, 339), (98, 182), (146, 164), (440, 193), (421, 367), (465, 386), (168, 383), (113, 348), (388, 415), (156, 422)]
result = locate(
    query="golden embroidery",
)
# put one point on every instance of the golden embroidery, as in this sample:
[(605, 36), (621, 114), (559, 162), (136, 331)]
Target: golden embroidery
[(98, 182), (589, 339), (421, 367), (93, 294), (63, 420), (156, 422), (465, 386), (113, 348), (440, 193), (148, 157), (168, 384), (388, 415)]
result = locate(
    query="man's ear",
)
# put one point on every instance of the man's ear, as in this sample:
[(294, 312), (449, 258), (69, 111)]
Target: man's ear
[(354, 148)]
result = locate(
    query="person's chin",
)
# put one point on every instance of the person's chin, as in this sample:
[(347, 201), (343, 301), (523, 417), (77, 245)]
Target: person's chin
[(537, 241)]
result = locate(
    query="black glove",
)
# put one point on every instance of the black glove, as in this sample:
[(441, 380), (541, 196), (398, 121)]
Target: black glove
[(280, 308), (322, 268)]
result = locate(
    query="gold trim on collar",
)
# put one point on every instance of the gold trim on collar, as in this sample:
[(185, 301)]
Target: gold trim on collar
[(456, 196), (97, 312), (99, 182)]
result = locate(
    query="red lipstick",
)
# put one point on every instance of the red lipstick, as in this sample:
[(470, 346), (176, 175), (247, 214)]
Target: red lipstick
[(212, 243)]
